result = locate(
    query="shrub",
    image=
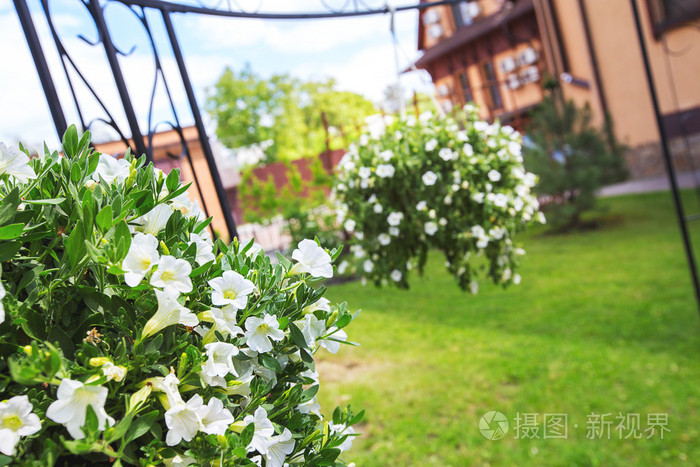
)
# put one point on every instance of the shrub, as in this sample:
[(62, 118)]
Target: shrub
[(572, 158), (452, 183), (128, 337)]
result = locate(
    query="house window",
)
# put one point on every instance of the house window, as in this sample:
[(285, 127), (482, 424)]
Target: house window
[(466, 88), (667, 14), (492, 87)]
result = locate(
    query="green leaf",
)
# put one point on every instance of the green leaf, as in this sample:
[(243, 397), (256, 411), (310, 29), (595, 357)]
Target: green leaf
[(104, 218), (328, 456), (309, 394), (53, 201), (270, 362), (75, 173), (11, 231), (70, 141), (75, 245), (141, 425), (297, 336), (122, 238), (173, 180), (9, 205)]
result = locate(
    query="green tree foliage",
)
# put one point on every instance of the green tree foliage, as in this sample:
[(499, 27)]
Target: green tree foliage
[(250, 109), (572, 158)]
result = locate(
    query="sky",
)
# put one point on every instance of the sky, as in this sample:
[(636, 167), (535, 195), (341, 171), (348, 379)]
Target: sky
[(357, 52)]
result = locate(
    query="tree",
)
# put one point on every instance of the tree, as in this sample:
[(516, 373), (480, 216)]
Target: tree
[(286, 110), (572, 158)]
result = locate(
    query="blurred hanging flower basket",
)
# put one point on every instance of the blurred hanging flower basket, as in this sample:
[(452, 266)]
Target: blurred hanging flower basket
[(128, 337), (452, 183)]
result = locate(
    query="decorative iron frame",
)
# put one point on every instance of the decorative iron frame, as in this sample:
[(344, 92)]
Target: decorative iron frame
[(139, 142)]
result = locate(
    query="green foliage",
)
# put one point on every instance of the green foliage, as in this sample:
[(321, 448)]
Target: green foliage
[(605, 321), (572, 158), (250, 110), (71, 237)]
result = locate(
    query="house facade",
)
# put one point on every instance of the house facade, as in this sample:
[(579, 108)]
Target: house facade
[(499, 53)]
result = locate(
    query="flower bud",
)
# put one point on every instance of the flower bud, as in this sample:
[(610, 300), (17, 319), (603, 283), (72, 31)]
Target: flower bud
[(99, 361)]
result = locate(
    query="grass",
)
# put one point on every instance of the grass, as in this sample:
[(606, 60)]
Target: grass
[(604, 322)]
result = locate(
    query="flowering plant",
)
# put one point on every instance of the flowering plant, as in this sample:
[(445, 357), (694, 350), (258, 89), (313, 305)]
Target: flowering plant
[(453, 183), (127, 335)]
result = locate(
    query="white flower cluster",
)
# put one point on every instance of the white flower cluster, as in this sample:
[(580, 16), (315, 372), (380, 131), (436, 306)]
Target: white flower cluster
[(456, 183), (237, 334)]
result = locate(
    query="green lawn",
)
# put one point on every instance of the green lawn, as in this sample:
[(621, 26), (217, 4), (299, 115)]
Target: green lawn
[(603, 322)]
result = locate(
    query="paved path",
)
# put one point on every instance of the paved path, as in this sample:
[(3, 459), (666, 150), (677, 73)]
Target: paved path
[(685, 180)]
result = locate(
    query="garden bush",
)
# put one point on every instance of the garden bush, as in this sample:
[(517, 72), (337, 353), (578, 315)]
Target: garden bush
[(453, 183), (128, 337)]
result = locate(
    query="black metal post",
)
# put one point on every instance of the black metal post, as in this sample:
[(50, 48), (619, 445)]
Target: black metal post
[(204, 141), (667, 157), (111, 52), (42, 68)]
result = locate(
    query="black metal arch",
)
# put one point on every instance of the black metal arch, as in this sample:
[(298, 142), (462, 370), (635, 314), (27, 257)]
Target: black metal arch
[(140, 141)]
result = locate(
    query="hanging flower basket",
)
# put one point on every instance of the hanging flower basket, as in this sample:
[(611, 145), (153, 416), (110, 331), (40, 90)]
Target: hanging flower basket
[(455, 183), (128, 337)]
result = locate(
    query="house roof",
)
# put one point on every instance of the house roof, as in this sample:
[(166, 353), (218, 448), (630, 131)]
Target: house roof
[(475, 30)]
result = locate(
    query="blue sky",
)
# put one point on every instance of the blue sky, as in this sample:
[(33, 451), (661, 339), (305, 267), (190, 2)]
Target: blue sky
[(357, 52)]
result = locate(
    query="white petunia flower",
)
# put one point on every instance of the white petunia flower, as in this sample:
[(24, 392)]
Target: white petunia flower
[(311, 328), (310, 406), (215, 419), (384, 239), (468, 150), (330, 342), (16, 420), (263, 431), (462, 136), (183, 420), (446, 154), (113, 372), (394, 231), (429, 178), (431, 144), (343, 429), (155, 220), (378, 208), (516, 279), (231, 289), (368, 266), (111, 169), (172, 274), (142, 256), (278, 449), (442, 221), (494, 175), (385, 170), (254, 250), (71, 407), (259, 331), (16, 164), (205, 251), (478, 197), (364, 173), (342, 267), (474, 287), (430, 228), (421, 206), (225, 320), (386, 155), (169, 312), (396, 275), (322, 304), (349, 225), (311, 259), (179, 461), (219, 363), (394, 218)]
